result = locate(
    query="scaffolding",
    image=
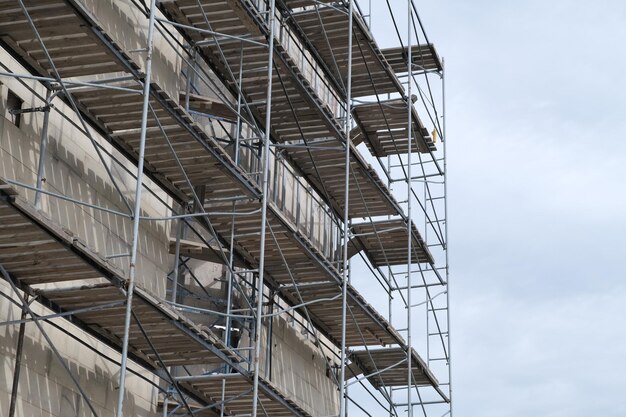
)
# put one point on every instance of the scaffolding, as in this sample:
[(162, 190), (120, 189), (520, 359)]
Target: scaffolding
[(259, 165)]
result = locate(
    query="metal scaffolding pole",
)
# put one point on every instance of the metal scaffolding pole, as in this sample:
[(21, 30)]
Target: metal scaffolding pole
[(137, 210), (43, 144), (346, 229), (389, 295), (231, 255), (18, 359), (445, 208), (176, 276), (264, 202), (409, 183)]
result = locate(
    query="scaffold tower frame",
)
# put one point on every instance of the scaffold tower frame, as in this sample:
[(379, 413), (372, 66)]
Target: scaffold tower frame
[(259, 166)]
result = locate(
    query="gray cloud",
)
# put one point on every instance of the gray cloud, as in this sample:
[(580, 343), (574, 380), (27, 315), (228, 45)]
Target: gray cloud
[(537, 163)]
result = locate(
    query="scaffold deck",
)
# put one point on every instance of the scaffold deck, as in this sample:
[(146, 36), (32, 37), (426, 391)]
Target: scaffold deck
[(327, 29), (369, 196), (388, 367), (289, 254), (386, 243), (55, 249), (424, 57), (202, 252), (295, 107), (118, 112), (161, 324), (235, 390), (366, 327), (382, 125), (290, 260), (294, 4), (297, 111), (75, 50), (178, 153)]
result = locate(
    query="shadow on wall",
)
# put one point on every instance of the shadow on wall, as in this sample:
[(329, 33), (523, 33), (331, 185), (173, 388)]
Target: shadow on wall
[(72, 168), (300, 370), (108, 233), (45, 386), (128, 27)]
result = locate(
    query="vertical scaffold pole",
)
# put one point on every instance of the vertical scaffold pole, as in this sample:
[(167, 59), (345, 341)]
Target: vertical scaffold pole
[(137, 210), (176, 276), (344, 283), (43, 145), (231, 259), (265, 188), (444, 139), (18, 359), (390, 297), (409, 222)]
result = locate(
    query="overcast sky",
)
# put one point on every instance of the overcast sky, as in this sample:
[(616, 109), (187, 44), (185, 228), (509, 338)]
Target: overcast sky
[(537, 163)]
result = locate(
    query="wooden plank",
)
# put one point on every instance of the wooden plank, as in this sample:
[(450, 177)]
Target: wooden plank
[(372, 361), (211, 106), (365, 325), (424, 57), (386, 243), (200, 251), (326, 29), (383, 126)]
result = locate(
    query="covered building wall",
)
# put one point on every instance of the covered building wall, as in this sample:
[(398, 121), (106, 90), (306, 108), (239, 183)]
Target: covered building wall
[(74, 169)]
